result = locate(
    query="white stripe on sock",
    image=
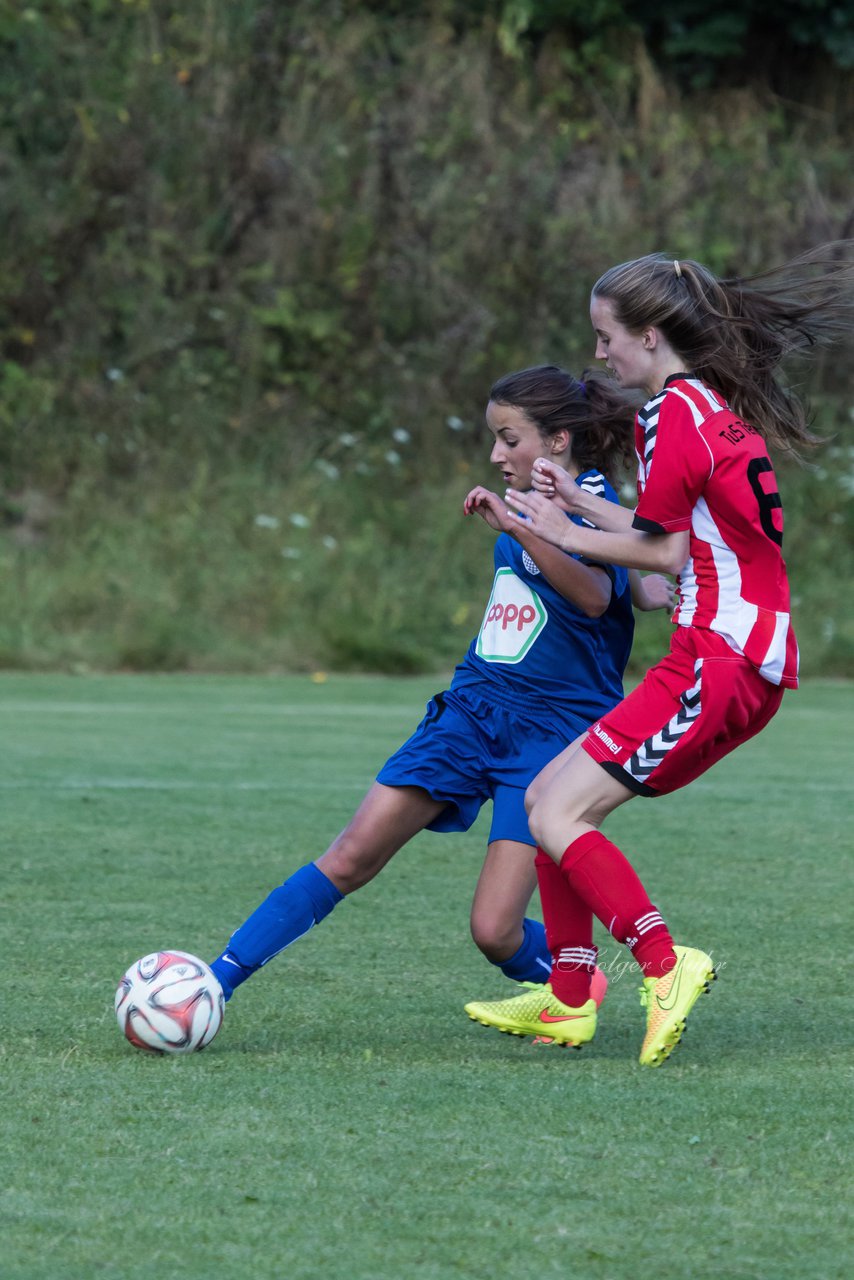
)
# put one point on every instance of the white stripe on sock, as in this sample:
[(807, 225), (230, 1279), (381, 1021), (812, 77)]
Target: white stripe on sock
[(649, 915), (577, 956), (650, 922)]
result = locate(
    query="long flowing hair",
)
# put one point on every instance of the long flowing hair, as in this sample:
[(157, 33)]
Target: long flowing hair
[(734, 333), (599, 417)]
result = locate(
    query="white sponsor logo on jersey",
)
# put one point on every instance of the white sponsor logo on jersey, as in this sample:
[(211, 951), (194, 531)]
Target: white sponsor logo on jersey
[(515, 616)]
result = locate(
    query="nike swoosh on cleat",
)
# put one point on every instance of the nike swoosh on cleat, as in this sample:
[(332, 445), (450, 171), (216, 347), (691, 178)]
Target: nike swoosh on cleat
[(545, 1016), (670, 998)]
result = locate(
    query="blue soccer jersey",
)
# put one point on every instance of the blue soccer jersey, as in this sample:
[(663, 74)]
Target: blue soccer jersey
[(535, 677), (535, 646)]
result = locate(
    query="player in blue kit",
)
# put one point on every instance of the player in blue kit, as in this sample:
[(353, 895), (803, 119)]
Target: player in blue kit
[(546, 663)]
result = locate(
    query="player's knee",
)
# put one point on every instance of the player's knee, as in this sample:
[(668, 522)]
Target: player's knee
[(552, 824), (496, 938), (348, 864)]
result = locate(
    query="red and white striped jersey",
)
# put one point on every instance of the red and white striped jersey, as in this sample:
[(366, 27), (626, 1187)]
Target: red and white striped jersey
[(701, 468)]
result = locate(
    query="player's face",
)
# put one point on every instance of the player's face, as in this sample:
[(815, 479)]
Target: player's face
[(626, 354), (517, 444)]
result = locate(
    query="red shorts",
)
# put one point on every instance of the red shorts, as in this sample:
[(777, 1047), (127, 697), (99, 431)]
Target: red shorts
[(689, 711)]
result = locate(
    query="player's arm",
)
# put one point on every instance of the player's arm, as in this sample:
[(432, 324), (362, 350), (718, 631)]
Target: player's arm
[(634, 548), (586, 586), (650, 592), (657, 535)]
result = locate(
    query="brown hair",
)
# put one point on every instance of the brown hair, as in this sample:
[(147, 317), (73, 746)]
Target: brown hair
[(733, 333), (598, 417)]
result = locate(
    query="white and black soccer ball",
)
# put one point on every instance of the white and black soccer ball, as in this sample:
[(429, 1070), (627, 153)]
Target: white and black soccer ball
[(169, 1002)]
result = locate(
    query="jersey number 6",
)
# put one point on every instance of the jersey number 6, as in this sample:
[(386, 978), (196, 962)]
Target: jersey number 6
[(768, 502)]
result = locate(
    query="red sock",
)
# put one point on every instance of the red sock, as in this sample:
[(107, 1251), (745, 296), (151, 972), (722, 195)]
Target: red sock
[(569, 933), (605, 879)]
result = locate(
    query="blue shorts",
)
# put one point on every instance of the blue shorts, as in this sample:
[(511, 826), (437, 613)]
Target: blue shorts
[(469, 749)]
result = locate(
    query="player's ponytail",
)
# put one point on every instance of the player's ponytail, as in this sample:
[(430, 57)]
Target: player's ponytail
[(734, 333), (605, 440), (598, 415)]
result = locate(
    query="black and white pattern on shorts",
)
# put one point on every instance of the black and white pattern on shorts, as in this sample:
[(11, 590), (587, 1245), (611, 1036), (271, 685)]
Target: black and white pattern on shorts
[(650, 754)]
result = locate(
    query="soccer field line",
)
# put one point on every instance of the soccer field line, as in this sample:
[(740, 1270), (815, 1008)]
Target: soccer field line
[(328, 710), (174, 784)]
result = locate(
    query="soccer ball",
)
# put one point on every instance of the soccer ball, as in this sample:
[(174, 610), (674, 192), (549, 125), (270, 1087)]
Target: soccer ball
[(169, 1002)]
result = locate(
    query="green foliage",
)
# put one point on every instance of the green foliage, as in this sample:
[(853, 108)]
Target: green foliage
[(693, 36), (349, 1121), (250, 248)]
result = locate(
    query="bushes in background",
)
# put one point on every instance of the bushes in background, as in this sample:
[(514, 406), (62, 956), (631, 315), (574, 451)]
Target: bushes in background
[(266, 261)]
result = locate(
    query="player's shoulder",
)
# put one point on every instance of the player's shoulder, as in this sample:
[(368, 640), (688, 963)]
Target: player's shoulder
[(597, 483), (689, 400)]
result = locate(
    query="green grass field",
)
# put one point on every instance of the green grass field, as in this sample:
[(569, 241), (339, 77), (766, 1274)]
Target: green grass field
[(349, 1120)]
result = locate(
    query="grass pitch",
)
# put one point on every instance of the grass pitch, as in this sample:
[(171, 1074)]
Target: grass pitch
[(349, 1120)]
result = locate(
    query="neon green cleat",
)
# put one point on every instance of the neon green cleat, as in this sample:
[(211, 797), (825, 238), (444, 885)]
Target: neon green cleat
[(538, 1013), (669, 1000), (598, 986)]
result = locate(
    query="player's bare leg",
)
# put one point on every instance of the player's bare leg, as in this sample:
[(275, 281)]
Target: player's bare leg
[(505, 886), (385, 821), (575, 798)]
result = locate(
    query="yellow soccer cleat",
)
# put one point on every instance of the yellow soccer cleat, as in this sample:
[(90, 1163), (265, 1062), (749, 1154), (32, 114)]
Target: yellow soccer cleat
[(598, 986), (538, 1013), (669, 1000)]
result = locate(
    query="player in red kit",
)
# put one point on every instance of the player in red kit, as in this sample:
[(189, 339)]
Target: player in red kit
[(705, 351)]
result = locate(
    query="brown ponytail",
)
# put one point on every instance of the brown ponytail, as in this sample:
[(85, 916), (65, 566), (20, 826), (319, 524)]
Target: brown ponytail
[(598, 416), (734, 333)]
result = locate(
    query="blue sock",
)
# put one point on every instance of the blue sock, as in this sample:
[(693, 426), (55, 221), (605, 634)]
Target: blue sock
[(285, 915), (533, 961)]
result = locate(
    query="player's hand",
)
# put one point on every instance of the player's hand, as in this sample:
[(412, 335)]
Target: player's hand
[(486, 504), (542, 516), (554, 481), (654, 592)]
